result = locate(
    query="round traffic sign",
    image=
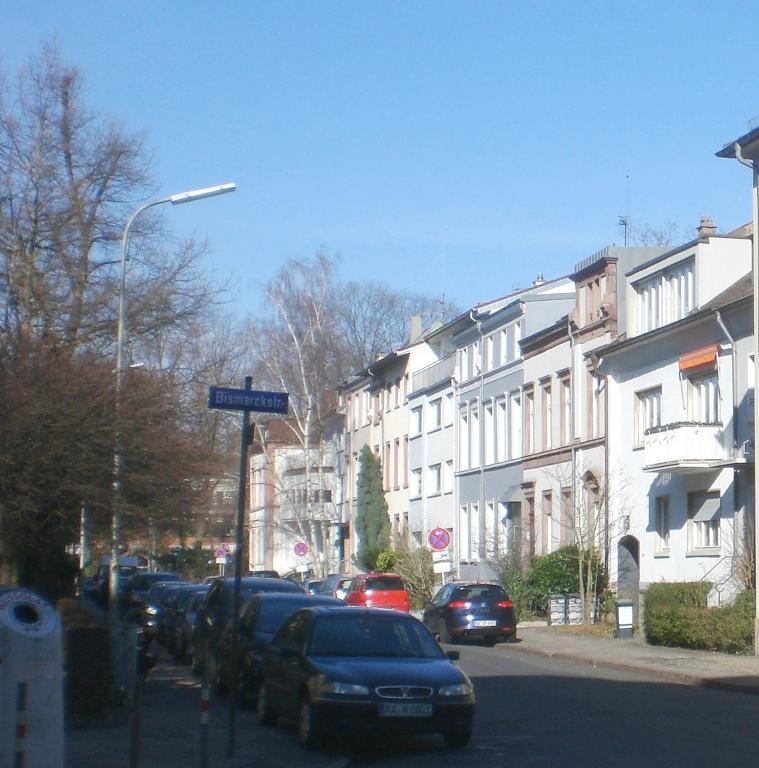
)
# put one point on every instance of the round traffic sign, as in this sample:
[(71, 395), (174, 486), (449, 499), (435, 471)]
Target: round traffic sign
[(300, 549), (439, 539), (221, 552)]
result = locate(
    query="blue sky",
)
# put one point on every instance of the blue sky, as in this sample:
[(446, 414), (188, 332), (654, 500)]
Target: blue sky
[(456, 148)]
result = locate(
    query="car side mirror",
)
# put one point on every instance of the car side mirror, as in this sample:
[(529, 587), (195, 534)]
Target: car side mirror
[(453, 655)]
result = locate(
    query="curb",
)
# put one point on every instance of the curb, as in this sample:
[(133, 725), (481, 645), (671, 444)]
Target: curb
[(682, 678)]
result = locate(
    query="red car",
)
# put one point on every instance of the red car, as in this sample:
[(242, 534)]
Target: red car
[(378, 590)]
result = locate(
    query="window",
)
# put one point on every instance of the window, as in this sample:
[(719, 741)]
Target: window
[(529, 420), (703, 399), (503, 338), (666, 297), (546, 414), (516, 353), (416, 484), (474, 436), (396, 463), (647, 412), (501, 430), (489, 353), (448, 409), (465, 374), (474, 530), (416, 421), (464, 438), (476, 359), (386, 467), (567, 532), (546, 527), (515, 423), (465, 539), (703, 523), (434, 479), (661, 521), (405, 461), (489, 436), (436, 414), (448, 477), (490, 528), (565, 410), (398, 393), (405, 388)]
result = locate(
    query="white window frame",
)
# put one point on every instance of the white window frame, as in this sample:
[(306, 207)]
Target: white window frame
[(704, 536), (416, 421), (647, 412), (434, 485), (667, 296), (488, 433), (448, 476), (436, 414), (415, 486), (703, 398), (661, 525)]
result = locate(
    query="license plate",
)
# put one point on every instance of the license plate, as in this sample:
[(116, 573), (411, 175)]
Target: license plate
[(405, 710), (484, 622)]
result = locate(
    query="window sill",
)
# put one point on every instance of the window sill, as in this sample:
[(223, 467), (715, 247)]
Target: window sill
[(433, 429), (664, 554), (704, 552), (433, 495)]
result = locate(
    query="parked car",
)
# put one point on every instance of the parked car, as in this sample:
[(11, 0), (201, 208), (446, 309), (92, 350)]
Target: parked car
[(153, 608), (265, 574), (378, 590), (350, 670), (138, 585), (174, 607), (216, 611), (166, 603), (312, 585), (334, 582), (471, 610), (260, 619), (185, 630)]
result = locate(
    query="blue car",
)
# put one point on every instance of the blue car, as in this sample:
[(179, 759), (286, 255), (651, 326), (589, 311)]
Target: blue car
[(350, 670)]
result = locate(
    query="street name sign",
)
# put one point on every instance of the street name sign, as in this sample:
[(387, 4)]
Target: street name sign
[(247, 400)]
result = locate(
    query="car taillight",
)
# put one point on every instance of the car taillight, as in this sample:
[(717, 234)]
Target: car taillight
[(457, 604), (504, 604)]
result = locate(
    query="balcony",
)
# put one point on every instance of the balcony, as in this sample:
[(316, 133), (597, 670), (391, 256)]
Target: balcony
[(434, 374), (688, 447)]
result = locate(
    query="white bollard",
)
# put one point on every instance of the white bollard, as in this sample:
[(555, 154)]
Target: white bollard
[(31, 681)]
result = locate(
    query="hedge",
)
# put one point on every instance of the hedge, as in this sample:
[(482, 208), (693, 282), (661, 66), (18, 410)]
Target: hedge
[(677, 615)]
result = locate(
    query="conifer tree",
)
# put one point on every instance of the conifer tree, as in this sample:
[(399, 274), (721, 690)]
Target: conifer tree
[(372, 520)]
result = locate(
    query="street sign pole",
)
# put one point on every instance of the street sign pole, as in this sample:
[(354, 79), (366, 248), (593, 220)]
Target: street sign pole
[(244, 441)]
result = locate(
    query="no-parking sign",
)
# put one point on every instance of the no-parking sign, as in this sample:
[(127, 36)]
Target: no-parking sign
[(439, 539)]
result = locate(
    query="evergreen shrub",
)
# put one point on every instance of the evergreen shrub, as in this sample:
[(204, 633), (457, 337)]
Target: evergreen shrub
[(677, 615)]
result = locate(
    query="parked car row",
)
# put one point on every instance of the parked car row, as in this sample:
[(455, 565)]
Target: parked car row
[(331, 656)]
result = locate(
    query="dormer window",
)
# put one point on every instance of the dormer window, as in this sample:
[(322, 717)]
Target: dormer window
[(666, 297)]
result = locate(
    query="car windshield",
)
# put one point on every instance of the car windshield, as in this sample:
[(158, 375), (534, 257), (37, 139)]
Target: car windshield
[(479, 592), (362, 635)]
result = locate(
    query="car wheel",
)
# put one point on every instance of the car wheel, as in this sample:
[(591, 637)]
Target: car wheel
[(308, 736), (457, 739), (264, 713)]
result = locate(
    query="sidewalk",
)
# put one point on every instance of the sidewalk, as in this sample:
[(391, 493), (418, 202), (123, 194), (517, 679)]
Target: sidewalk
[(677, 665)]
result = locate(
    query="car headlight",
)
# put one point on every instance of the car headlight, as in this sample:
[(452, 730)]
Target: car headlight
[(151, 610), (461, 689), (344, 689)]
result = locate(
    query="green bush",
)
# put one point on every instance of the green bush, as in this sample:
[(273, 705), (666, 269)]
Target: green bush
[(676, 615), (558, 573), (386, 560)]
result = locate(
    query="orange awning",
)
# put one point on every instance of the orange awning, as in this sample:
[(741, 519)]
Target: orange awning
[(706, 357)]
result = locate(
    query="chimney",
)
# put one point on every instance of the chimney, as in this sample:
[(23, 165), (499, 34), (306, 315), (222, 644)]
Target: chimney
[(538, 280), (706, 228), (415, 328)]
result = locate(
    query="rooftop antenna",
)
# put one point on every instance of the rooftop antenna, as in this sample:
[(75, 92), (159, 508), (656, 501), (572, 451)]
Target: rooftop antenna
[(624, 221), (442, 307)]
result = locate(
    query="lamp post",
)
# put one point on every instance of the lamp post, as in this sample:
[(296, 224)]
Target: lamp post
[(746, 151), (121, 334)]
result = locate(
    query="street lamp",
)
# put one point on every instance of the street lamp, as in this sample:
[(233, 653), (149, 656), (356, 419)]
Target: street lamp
[(746, 151), (177, 199)]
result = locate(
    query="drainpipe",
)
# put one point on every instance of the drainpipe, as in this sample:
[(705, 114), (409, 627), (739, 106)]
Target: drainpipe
[(572, 417), (474, 316), (734, 369)]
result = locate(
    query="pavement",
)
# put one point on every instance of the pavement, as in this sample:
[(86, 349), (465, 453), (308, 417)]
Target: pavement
[(171, 736)]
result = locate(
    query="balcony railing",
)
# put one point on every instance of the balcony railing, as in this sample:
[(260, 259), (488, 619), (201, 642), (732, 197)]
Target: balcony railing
[(686, 446), (434, 374)]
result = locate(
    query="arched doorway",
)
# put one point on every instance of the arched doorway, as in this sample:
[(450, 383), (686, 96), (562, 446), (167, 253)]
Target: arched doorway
[(628, 571)]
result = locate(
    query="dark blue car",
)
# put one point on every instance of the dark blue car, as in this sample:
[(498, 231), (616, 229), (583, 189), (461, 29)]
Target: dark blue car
[(352, 670)]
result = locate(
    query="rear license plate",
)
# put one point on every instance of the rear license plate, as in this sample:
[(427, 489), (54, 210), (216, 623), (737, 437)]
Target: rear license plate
[(405, 710), (484, 622)]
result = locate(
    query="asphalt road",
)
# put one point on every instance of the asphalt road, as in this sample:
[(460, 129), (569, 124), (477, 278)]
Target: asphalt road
[(531, 711)]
